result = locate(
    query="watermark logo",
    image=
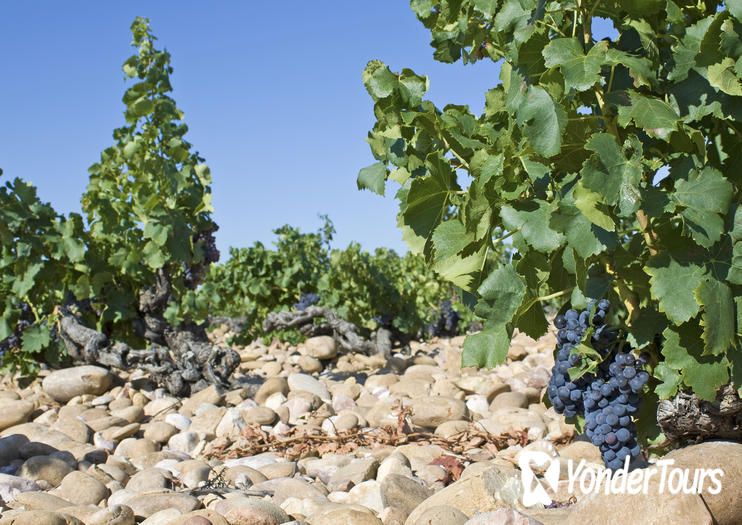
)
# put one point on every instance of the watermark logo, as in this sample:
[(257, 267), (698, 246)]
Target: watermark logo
[(588, 479)]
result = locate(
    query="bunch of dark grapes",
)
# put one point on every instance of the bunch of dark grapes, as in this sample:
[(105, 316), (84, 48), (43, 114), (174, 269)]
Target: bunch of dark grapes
[(609, 397), (447, 324), (14, 340), (609, 405), (306, 300), (208, 244)]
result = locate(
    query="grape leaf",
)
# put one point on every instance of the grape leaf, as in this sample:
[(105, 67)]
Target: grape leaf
[(722, 76), (705, 197), (587, 202), (683, 350), (580, 71), (611, 174), (35, 338), (501, 294), (655, 116), (373, 178), (718, 316), (673, 284), (487, 348), (534, 225), (543, 121), (670, 378)]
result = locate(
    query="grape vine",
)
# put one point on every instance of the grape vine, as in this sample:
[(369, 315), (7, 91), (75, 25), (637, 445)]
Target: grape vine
[(611, 165)]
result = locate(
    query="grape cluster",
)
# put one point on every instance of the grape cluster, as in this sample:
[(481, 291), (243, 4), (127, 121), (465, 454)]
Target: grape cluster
[(447, 324), (14, 340), (208, 244), (306, 300), (609, 406), (609, 397)]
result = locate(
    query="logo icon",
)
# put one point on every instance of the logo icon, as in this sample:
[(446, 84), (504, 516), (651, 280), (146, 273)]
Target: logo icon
[(533, 490)]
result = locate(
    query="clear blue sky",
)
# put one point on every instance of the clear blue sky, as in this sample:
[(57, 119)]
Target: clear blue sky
[(271, 92)]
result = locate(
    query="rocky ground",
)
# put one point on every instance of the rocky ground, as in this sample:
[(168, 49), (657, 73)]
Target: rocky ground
[(316, 438)]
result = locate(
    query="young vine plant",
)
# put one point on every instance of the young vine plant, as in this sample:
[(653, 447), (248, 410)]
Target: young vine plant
[(612, 166)]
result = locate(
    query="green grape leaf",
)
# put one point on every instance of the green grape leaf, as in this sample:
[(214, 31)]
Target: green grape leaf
[(683, 349), (501, 295), (379, 81), (487, 348), (673, 284), (581, 234), (587, 202), (533, 223), (653, 115), (428, 197), (671, 381), (611, 174), (35, 338), (580, 71), (543, 121), (705, 197), (373, 178), (723, 76), (530, 318), (718, 316)]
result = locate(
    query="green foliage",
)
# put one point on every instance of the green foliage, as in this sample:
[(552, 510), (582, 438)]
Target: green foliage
[(149, 194), (255, 281), (43, 256), (612, 165), (147, 200), (363, 288)]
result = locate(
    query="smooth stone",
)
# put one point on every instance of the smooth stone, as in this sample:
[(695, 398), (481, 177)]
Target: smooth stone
[(93, 515), (200, 517), (51, 470), (185, 442), (259, 416), (163, 517), (132, 414), (40, 501), (150, 480), (14, 412), (159, 431), (63, 385), (309, 365), (271, 386), (82, 489), (413, 387), (207, 395), (136, 448), (509, 400), (39, 517), (441, 514), (367, 494), (347, 515), (11, 486), (490, 490), (726, 506), (320, 347), (243, 510), (74, 428), (502, 517), (179, 421), (307, 383), (394, 463), (144, 505), (431, 412), (207, 420), (403, 493), (357, 471)]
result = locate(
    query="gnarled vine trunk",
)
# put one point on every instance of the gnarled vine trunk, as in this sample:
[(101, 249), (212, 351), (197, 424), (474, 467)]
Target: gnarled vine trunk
[(181, 358), (344, 332), (686, 417)]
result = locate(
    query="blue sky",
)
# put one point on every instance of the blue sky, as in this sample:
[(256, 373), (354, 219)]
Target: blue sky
[(271, 92)]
